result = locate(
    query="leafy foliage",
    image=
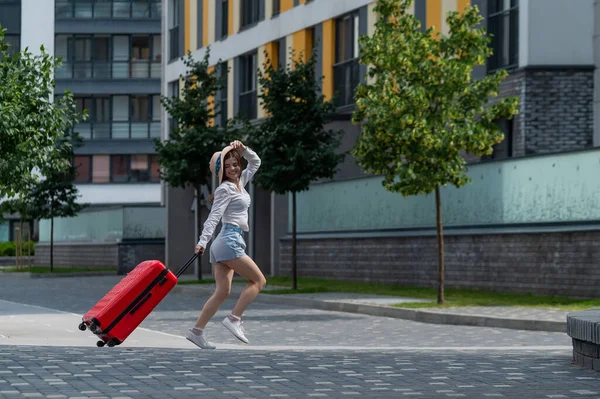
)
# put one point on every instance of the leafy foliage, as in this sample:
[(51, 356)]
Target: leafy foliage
[(295, 147), (423, 109), (30, 123)]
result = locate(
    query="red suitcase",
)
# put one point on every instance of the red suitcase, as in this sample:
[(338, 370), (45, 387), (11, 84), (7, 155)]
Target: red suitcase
[(125, 306)]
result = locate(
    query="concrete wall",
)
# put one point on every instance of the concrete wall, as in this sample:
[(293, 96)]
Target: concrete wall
[(556, 32), (553, 263), (78, 255), (133, 252)]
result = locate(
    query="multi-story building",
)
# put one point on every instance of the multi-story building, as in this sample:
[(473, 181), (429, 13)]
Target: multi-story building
[(546, 45), (111, 52)]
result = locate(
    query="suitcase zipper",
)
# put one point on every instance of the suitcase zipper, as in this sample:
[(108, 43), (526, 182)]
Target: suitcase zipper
[(132, 307)]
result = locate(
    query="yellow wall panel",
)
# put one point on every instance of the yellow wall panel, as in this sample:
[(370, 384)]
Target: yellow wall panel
[(205, 23), (272, 50), (434, 14), (302, 1), (230, 13), (328, 57), (462, 4), (286, 5), (211, 99)]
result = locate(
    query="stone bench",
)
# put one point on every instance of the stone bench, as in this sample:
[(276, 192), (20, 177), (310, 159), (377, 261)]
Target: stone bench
[(584, 328)]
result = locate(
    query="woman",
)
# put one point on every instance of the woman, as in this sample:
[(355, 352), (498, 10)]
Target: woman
[(231, 203)]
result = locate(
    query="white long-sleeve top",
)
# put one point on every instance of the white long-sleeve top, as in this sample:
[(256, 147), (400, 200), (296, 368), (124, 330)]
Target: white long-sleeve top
[(229, 204)]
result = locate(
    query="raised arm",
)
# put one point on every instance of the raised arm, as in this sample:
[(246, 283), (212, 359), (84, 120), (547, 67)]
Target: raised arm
[(222, 199), (253, 165)]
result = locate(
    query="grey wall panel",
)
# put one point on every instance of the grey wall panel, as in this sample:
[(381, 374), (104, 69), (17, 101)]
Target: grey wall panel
[(200, 33), (108, 86), (116, 147), (319, 54), (261, 9), (363, 26), (113, 27), (421, 12)]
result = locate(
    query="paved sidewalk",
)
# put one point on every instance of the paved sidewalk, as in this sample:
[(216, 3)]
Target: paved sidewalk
[(519, 318)]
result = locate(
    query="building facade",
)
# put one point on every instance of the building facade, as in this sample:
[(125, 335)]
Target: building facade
[(545, 45), (111, 53)]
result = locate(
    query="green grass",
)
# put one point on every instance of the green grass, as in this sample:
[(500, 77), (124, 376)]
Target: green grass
[(453, 297), (46, 269)]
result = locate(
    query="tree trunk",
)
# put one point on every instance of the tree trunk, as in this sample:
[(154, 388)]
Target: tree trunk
[(51, 243), (440, 240), (294, 269), (20, 245), (198, 229)]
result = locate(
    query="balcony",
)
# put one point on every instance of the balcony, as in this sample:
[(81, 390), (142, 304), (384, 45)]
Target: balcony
[(118, 130), (346, 76), (109, 70), (108, 9)]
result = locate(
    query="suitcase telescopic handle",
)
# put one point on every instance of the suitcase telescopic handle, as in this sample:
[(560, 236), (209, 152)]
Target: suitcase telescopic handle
[(187, 264)]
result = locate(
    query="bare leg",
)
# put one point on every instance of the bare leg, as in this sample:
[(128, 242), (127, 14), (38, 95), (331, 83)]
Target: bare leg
[(223, 277), (246, 268)]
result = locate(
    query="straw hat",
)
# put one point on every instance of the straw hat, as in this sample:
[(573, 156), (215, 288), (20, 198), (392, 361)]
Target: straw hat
[(216, 162)]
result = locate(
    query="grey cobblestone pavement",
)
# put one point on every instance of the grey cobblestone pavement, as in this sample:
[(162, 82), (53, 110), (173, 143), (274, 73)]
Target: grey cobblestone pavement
[(294, 352)]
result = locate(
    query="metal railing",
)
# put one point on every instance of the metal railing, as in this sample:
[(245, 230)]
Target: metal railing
[(118, 130), (109, 70), (346, 76), (103, 9)]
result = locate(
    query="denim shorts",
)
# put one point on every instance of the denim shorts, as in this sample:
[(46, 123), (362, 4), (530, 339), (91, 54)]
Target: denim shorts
[(228, 245)]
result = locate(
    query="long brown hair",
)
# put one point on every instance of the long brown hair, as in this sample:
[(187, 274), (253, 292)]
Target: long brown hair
[(231, 154)]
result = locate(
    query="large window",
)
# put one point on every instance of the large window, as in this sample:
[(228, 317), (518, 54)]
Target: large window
[(224, 22), (503, 27), (119, 117), (134, 168), (83, 168), (247, 77), (174, 47), (103, 9), (276, 7), (222, 94), (250, 12), (346, 69), (14, 43), (109, 57)]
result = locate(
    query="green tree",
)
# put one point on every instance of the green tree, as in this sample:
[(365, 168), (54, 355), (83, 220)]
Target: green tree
[(30, 123), (194, 137), (423, 110), (55, 194), (295, 147)]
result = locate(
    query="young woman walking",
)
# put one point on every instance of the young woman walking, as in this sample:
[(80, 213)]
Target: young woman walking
[(230, 205)]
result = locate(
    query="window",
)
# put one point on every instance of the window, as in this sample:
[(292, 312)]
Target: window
[(109, 57), (503, 27), (222, 74), (250, 12), (139, 9), (247, 99), (134, 168), (346, 69), (276, 7), (139, 109), (101, 169), (14, 43), (174, 30), (224, 19), (83, 168)]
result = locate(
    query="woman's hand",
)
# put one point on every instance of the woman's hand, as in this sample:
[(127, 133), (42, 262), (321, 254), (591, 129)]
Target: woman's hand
[(199, 250), (237, 145)]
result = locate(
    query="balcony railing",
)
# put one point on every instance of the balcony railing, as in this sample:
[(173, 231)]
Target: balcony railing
[(248, 104), (118, 130), (103, 9), (109, 70), (346, 76)]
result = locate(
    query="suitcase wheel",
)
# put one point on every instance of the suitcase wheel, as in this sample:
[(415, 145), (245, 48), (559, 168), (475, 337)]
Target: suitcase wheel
[(82, 327), (100, 344)]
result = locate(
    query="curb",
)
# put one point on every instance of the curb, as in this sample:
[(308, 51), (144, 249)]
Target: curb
[(57, 275), (417, 315)]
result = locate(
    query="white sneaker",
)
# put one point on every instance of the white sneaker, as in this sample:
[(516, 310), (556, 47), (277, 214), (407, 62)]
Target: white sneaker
[(235, 327), (199, 340)]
